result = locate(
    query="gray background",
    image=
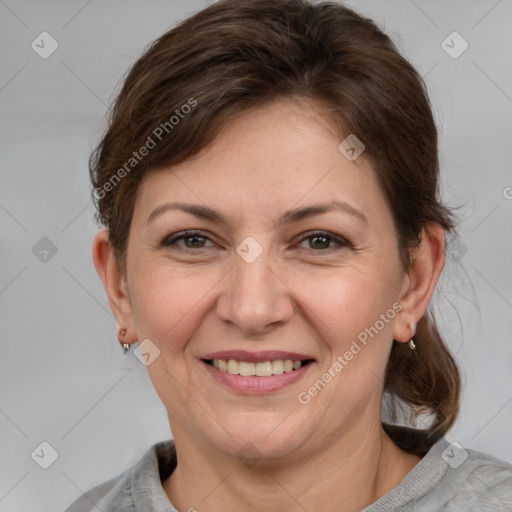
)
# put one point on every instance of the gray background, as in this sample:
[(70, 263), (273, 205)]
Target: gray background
[(63, 378)]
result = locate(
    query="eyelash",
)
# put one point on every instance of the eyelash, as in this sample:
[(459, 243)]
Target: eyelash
[(342, 243)]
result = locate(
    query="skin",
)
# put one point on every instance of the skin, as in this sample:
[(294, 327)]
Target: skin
[(198, 297)]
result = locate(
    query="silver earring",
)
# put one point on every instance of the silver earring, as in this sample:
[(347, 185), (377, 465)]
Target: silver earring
[(126, 346), (412, 346)]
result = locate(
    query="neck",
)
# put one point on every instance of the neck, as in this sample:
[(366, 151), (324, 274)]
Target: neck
[(350, 474)]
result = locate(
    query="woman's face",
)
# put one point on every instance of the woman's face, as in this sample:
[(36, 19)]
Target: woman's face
[(262, 286)]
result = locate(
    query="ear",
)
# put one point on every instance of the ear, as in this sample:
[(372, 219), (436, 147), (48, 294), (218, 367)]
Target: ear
[(427, 263), (114, 282)]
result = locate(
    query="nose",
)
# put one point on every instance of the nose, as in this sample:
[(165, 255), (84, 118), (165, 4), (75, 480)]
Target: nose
[(255, 298)]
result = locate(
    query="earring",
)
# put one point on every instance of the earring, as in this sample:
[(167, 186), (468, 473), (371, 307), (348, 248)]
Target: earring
[(412, 346), (126, 346)]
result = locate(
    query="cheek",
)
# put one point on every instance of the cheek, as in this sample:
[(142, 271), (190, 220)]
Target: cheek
[(167, 302), (357, 339), (342, 303)]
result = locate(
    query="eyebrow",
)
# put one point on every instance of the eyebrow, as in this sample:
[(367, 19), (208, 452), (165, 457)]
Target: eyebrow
[(289, 217)]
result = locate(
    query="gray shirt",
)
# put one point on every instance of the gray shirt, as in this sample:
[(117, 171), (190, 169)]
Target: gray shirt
[(448, 478)]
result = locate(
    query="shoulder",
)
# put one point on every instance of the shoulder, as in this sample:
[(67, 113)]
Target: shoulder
[(102, 495), (464, 479), (137, 488), (449, 477), (480, 480)]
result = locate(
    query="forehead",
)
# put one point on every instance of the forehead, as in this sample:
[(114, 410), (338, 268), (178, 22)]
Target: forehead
[(268, 160)]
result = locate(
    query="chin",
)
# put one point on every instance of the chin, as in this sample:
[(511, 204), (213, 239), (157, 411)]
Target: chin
[(261, 436)]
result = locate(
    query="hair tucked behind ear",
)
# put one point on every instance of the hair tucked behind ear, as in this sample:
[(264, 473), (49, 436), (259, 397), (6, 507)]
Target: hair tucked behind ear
[(238, 54), (426, 379)]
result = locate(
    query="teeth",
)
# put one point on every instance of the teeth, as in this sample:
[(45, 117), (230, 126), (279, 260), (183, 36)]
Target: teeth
[(233, 367), (243, 368), (263, 369), (277, 367)]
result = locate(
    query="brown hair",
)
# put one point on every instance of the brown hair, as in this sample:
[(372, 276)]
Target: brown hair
[(238, 54)]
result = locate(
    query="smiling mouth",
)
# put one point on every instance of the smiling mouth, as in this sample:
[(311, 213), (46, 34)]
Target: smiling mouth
[(260, 369)]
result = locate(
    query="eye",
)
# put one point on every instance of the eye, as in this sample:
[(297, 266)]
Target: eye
[(192, 239), (320, 240)]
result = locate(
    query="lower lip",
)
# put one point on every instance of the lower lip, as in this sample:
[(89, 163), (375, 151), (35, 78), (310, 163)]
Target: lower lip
[(257, 385)]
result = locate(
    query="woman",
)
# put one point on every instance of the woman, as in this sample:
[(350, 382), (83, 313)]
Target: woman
[(268, 185)]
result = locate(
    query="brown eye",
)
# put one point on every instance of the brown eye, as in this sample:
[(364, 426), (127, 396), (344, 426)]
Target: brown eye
[(192, 240), (321, 240)]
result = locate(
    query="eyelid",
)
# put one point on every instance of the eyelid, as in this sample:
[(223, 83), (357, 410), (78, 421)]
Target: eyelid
[(341, 242), (169, 240)]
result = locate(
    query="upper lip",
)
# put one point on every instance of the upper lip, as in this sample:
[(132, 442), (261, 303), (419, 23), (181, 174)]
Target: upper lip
[(256, 357)]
